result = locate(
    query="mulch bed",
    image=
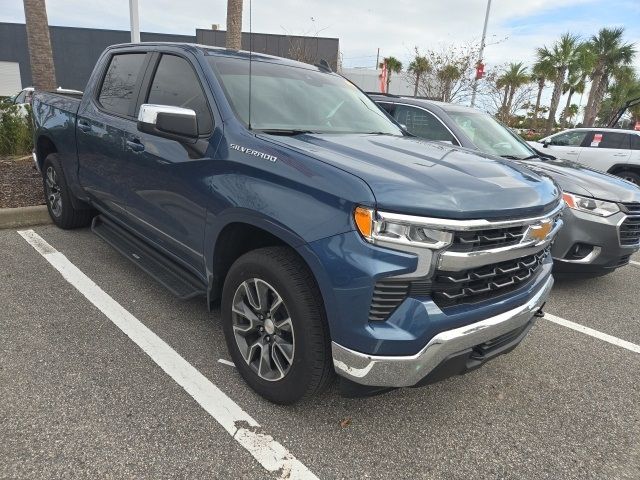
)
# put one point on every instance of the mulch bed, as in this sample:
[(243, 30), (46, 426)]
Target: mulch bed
[(20, 183)]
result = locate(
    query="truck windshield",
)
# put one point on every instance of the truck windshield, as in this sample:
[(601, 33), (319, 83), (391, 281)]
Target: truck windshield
[(490, 136), (288, 98)]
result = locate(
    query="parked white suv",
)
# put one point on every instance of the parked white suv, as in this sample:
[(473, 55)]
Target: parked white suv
[(606, 149)]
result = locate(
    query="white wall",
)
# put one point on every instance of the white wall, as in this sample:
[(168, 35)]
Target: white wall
[(10, 82), (367, 79)]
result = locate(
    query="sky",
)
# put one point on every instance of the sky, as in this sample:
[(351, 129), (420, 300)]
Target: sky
[(516, 27)]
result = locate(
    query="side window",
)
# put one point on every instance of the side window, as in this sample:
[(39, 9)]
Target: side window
[(569, 139), (615, 140), (635, 142), (422, 123), (119, 84), (176, 84), (388, 107)]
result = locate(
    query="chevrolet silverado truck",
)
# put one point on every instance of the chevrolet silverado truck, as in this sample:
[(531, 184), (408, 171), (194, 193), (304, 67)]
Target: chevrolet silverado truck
[(334, 242)]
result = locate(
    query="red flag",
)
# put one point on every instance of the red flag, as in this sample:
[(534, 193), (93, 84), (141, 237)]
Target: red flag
[(383, 78)]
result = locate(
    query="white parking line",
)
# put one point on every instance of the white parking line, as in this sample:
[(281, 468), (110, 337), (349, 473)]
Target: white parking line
[(226, 362), (594, 333), (271, 454), (632, 262)]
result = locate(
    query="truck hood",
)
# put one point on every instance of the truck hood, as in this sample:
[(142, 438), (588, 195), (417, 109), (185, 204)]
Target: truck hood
[(413, 176), (575, 178)]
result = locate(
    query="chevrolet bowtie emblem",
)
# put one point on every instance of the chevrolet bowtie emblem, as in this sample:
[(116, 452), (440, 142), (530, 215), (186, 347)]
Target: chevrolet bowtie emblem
[(539, 231)]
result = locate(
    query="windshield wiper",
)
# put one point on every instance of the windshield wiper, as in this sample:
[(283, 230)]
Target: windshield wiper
[(511, 157), (283, 131), (531, 157)]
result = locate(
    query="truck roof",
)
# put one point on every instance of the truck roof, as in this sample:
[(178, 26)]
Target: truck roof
[(210, 50)]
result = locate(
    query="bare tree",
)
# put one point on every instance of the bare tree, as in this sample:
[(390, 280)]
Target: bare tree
[(43, 72), (451, 72), (234, 24)]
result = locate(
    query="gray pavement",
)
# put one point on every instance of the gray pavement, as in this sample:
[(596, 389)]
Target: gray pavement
[(79, 399)]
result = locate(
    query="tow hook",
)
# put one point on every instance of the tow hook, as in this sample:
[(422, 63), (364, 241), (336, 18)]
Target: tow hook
[(540, 313)]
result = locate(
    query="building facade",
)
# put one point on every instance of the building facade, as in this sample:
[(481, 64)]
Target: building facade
[(76, 50)]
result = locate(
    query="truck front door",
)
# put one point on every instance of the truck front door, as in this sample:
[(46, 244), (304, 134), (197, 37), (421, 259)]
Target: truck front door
[(168, 192)]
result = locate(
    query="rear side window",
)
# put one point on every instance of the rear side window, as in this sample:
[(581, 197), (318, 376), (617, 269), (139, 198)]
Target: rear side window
[(422, 123), (635, 142), (119, 84), (615, 140), (176, 84)]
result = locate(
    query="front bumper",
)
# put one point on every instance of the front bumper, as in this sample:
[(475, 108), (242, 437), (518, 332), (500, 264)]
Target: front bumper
[(599, 233), (407, 371)]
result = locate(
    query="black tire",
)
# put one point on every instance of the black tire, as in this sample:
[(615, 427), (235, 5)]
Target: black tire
[(630, 176), (311, 369), (58, 197)]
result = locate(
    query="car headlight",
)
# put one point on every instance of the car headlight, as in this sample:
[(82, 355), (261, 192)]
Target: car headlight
[(375, 228), (590, 205)]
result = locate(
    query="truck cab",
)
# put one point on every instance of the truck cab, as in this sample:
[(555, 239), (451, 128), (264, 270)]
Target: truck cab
[(333, 242)]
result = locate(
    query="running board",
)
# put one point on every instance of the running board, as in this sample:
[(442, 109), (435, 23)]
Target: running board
[(179, 281)]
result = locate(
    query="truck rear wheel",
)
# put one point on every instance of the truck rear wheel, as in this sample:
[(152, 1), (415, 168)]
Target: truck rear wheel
[(58, 197), (275, 326)]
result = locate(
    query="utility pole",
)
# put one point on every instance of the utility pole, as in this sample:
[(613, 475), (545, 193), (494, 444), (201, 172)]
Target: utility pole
[(378, 59), (482, 42), (135, 21)]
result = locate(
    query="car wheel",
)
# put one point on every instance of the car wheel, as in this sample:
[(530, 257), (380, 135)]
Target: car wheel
[(629, 176), (275, 326), (58, 197)]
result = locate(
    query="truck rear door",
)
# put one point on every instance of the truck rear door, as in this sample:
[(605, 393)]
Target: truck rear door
[(106, 116)]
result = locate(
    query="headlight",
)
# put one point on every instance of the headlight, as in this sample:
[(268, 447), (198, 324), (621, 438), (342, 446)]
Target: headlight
[(376, 229), (590, 205)]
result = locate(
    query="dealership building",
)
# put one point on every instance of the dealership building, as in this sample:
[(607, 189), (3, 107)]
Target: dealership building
[(76, 50)]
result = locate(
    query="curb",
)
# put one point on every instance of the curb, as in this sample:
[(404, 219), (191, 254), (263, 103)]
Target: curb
[(24, 216)]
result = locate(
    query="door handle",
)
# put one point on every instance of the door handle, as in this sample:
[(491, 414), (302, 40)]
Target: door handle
[(135, 145), (84, 126), (572, 152), (620, 154)]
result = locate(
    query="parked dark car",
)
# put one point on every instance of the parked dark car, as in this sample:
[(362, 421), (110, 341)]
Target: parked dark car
[(602, 223), (334, 241)]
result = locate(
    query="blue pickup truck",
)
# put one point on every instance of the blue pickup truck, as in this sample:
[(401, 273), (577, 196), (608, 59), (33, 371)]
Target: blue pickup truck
[(333, 241)]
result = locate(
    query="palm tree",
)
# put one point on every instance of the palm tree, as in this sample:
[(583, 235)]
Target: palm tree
[(234, 24), (393, 65), (43, 73), (609, 53), (513, 77), (576, 77), (541, 72), (418, 67), (560, 55), (447, 76)]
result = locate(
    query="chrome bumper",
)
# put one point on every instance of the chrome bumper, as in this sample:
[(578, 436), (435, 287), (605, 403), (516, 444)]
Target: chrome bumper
[(406, 371)]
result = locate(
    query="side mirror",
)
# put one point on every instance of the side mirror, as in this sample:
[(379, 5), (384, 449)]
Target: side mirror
[(167, 121), (546, 143)]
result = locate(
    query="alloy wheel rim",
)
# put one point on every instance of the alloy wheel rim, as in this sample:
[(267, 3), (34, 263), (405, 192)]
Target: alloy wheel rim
[(632, 180), (262, 329), (54, 197)]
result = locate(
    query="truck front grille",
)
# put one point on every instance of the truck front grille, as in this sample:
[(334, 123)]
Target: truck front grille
[(455, 288), (630, 228), (474, 240), (483, 283)]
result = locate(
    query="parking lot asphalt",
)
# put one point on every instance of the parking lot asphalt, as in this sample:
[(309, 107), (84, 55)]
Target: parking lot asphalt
[(79, 399)]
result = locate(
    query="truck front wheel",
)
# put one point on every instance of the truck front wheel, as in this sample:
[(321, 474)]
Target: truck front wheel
[(275, 326), (58, 197)]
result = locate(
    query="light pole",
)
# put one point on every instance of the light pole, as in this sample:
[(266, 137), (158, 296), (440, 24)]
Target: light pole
[(484, 36), (135, 21)]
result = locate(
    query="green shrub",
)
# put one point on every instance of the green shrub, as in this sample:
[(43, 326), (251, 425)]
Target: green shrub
[(16, 130)]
